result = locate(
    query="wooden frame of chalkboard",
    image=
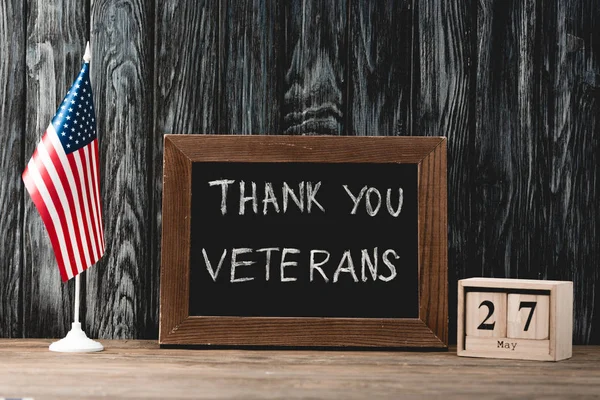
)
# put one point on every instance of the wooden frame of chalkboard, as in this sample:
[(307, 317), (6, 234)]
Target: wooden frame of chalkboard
[(178, 327)]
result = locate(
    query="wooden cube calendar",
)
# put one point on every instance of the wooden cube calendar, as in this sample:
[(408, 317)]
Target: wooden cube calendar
[(515, 318)]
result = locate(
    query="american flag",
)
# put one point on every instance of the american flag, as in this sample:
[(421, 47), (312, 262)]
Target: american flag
[(63, 180)]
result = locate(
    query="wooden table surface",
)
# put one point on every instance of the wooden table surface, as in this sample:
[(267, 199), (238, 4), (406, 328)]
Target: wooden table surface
[(140, 369)]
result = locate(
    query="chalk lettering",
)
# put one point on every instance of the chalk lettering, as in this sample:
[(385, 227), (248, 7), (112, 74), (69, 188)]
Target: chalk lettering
[(372, 212), (311, 194), (389, 264), (235, 263), (371, 263), (269, 198), (313, 262), (211, 271), (317, 265), (267, 250), (244, 199), (389, 202), (346, 258), (373, 200), (355, 200), (224, 183), (299, 200), (285, 264)]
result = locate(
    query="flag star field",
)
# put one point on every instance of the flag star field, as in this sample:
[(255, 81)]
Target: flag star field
[(75, 122)]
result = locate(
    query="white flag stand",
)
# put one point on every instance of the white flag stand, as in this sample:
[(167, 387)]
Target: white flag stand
[(76, 340)]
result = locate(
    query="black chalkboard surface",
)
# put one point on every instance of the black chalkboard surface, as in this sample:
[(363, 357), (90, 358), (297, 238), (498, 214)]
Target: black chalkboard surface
[(304, 241), (356, 222)]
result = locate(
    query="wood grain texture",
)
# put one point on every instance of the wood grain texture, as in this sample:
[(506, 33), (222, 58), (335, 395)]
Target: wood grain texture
[(524, 349), (56, 37), (139, 369), (305, 148), (315, 67), (186, 68), (561, 321), (175, 260), (380, 68), (511, 145), (570, 102), (442, 85), (429, 330), (496, 125), (185, 101), (12, 124), (118, 286), (304, 332), (433, 242), (251, 56), (535, 196)]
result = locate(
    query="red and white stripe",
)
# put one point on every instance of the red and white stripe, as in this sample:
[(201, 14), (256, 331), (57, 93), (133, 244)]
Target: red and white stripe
[(65, 189)]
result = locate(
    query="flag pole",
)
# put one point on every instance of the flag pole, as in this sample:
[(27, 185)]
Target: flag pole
[(76, 340), (77, 284)]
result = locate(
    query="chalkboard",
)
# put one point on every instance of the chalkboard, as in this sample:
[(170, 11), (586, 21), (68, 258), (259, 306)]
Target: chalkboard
[(357, 223), (304, 241)]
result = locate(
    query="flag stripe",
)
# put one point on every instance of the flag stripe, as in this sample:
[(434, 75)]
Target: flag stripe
[(45, 201), (92, 199), (91, 203), (96, 188), (91, 223), (75, 161), (58, 198), (61, 159), (54, 151), (48, 221)]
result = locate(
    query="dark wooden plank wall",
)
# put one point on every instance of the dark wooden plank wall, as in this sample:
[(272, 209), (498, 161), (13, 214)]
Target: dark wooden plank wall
[(315, 63), (250, 39), (54, 54), (536, 168), (12, 128), (187, 51), (514, 85), (118, 288), (443, 88), (381, 67)]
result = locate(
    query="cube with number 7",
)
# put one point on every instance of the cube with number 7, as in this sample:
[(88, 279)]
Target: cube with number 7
[(528, 316)]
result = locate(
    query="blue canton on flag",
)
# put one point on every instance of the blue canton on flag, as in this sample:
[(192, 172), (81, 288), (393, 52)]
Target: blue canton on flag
[(75, 122)]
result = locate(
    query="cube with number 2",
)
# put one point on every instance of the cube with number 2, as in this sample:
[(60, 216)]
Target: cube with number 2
[(487, 314)]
